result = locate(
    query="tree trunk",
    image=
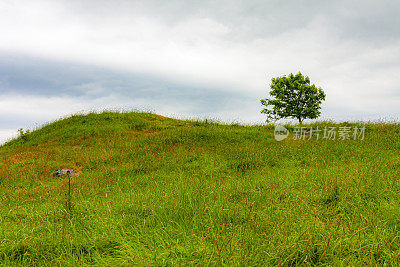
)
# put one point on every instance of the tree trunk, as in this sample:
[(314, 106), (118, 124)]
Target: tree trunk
[(299, 121)]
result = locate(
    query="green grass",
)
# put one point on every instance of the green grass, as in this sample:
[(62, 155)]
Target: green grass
[(152, 190)]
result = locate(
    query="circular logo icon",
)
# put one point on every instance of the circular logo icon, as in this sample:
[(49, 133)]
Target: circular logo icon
[(280, 133)]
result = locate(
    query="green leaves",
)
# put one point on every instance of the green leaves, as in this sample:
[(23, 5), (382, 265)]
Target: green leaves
[(293, 97)]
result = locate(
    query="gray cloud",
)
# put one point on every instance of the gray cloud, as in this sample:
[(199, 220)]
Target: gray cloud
[(369, 20), (25, 75), (94, 88)]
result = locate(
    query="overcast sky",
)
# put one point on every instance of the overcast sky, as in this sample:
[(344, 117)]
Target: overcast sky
[(197, 59)]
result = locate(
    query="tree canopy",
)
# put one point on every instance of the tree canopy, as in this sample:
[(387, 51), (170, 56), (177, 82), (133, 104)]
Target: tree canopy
[(293, 97)]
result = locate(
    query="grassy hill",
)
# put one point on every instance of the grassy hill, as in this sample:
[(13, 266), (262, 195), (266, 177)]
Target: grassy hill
[(152, 190)]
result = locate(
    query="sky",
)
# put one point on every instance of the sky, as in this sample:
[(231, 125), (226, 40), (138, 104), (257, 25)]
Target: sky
[(194, 59)]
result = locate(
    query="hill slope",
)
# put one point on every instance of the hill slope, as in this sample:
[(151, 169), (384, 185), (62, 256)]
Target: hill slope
[(154, 190)]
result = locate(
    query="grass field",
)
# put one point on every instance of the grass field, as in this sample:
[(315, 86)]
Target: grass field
[(152, 190)]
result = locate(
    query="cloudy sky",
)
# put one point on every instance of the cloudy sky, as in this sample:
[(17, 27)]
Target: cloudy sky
[(194, 59)]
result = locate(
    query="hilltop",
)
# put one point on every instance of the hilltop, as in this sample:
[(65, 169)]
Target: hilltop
[(153, 190)]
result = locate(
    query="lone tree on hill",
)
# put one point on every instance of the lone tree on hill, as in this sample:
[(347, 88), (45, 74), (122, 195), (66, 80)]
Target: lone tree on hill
[(293, 97)]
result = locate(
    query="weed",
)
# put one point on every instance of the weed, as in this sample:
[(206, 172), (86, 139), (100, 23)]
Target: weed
[(159, 191)]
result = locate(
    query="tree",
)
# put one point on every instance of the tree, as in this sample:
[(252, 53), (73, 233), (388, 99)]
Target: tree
[(293, 97)]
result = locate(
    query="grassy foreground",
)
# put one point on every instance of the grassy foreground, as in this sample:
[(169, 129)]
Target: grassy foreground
[(152, 190)]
